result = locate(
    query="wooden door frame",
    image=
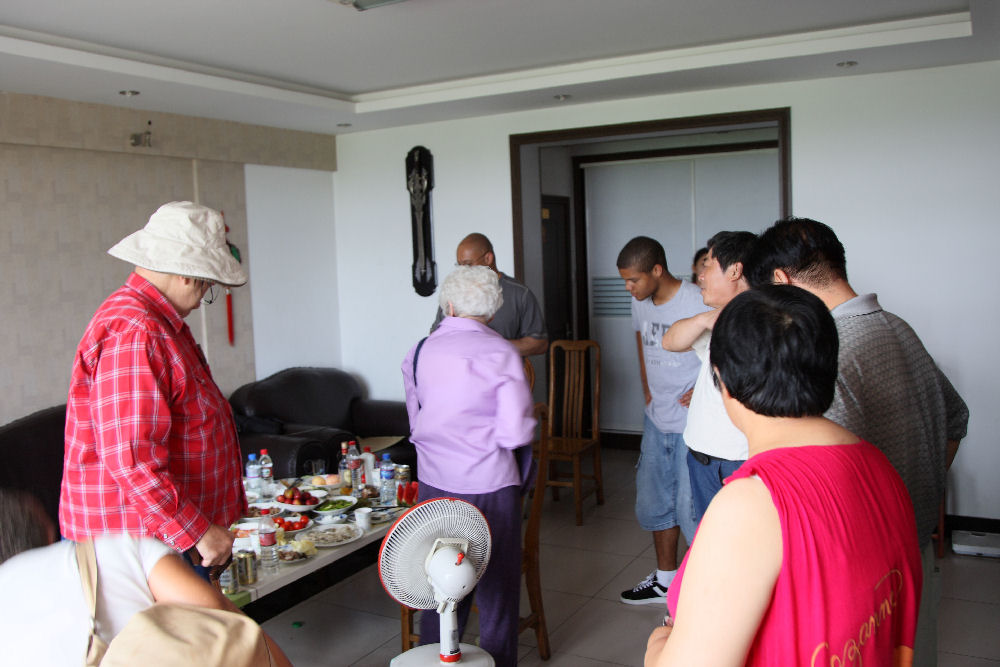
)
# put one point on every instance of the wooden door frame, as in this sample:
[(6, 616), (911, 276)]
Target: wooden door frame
[(779, 116)]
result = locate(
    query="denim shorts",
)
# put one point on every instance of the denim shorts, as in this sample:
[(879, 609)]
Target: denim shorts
[(662, 485)]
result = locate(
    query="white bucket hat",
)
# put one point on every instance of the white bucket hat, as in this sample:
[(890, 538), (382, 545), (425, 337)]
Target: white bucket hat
[(184, 239)]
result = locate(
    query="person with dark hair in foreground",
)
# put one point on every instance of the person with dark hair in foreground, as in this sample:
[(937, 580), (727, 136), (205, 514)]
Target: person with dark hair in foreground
[(808, 555), (889, 390), (46, 620)]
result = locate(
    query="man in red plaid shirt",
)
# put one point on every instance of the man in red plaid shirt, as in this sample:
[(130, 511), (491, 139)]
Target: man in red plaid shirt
[(151, 446)]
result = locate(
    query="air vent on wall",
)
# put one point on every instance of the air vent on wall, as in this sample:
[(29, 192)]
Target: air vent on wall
[(609, 298)]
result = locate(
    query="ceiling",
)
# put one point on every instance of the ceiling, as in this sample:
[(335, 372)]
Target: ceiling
[(321, 66)]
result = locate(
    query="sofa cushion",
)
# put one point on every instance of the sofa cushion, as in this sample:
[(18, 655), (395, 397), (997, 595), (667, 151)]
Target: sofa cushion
[(319, 396), (33, 452)]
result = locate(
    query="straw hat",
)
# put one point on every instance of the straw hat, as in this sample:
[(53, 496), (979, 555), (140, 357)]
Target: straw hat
[(184, 239)]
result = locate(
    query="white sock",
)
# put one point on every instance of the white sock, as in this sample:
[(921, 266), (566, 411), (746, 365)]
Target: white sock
[(665, 577)]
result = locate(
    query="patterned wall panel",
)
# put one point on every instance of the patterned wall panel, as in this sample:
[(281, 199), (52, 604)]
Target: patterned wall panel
[(60, 210)]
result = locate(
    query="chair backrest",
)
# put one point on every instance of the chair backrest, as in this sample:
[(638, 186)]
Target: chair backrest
[(537, 498), (529, 373), (574, 388)]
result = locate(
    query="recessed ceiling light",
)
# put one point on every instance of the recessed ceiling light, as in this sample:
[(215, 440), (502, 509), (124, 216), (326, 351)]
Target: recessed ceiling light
[(128, 93), (846, 64), (561, 98)]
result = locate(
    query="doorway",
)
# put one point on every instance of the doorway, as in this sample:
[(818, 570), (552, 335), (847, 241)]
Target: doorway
[(677, 140), (556, 270)]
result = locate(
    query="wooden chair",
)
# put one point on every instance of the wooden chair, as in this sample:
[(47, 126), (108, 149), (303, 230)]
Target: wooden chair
[(529, 556), (575, 395), (529, 550), (529, 373)]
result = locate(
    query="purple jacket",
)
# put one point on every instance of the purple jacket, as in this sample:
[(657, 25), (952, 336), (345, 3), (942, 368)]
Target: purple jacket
[(469, 408)]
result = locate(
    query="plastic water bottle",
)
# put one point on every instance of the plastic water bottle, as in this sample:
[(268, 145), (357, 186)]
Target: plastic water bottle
[(345, 472), (253, 473), (354, 464), (387, 474), (369, 467), (266, 471), (268, 536)]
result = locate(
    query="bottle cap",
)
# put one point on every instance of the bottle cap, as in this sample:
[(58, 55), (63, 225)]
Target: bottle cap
[(252, 457), (263, 452), (385, 457)]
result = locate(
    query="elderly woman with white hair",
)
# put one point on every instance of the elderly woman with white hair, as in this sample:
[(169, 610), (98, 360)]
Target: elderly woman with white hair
[(470, 408)]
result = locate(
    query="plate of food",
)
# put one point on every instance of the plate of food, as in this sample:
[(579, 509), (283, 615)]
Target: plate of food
[(336, 505), (295, 499), (257, 510), (334, 536), (296, 551), (293, 523)]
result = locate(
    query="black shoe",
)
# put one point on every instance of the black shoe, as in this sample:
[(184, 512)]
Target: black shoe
[(648, 591)]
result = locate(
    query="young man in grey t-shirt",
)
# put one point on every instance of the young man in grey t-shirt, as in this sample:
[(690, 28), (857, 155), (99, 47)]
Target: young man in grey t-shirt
[(663, 493)]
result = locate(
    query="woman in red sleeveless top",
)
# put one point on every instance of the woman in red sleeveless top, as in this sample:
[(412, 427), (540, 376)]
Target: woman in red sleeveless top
[(808, 555)]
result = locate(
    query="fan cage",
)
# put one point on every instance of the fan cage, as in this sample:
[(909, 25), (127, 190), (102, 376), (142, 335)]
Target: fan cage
[(406, 545)]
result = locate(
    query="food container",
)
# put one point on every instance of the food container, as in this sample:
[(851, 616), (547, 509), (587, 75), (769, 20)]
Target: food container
[(246, 567)]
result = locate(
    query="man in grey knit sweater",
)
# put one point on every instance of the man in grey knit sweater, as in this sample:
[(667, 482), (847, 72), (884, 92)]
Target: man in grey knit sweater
[(889, 390)]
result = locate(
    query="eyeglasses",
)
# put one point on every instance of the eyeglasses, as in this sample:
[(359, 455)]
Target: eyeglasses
[(208, 298), (472, 262)]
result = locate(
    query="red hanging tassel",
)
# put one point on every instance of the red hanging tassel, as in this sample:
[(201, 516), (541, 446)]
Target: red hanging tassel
[(229, 314)]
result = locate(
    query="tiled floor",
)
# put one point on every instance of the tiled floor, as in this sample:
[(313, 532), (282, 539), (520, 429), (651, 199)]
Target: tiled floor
[(355, 623)]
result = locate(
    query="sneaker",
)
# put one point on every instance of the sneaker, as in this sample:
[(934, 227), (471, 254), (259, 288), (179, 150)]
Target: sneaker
[(648, 591)]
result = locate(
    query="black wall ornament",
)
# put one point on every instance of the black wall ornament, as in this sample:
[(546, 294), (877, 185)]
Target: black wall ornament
[(419, 183)]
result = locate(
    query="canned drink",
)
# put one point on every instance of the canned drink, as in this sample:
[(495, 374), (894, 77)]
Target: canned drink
[(402, 475), (246, 567), (228, 579)]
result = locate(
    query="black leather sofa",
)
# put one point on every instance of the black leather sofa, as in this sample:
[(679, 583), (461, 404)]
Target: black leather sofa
[(303, 414), (33, 450)]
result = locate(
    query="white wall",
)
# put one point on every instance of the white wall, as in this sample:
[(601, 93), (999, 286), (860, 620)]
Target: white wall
[(293, 249), (902, 165)]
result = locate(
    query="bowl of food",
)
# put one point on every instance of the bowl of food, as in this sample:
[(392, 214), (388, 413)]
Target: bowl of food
[(335, 505), (295, 499), (257, 510), (325, 482)]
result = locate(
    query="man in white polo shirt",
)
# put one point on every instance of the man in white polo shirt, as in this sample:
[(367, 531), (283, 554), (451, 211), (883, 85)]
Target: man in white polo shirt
[(716, 448)]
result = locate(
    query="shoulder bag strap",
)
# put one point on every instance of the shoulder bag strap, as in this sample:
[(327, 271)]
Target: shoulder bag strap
[(416, 355), (86, 560)]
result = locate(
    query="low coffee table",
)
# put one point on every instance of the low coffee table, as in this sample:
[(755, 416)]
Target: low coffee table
[(289, 573)]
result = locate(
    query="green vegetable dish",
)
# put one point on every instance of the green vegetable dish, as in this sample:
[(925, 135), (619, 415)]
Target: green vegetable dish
[(332, 505)]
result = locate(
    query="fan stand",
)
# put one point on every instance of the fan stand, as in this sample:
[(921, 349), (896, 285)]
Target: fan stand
[(429, 655), (455, 537), (449, 651)]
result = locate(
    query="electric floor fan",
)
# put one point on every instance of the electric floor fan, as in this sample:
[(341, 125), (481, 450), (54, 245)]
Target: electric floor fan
[(432, 558)]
